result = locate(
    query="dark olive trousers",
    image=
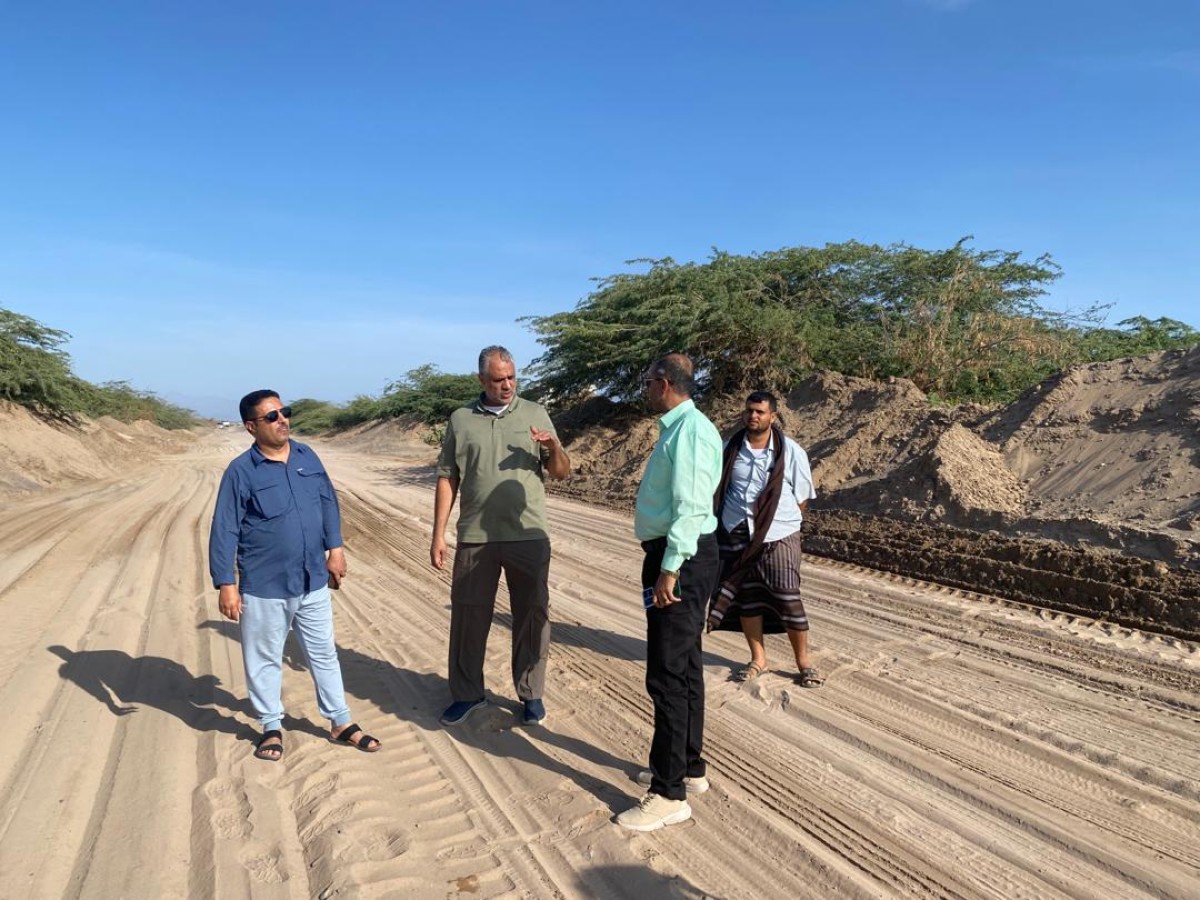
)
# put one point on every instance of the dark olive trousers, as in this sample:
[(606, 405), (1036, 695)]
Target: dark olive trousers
[(526, 566)]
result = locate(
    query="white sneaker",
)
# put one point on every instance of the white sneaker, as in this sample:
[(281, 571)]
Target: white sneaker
[(653, 812), (696, 785)]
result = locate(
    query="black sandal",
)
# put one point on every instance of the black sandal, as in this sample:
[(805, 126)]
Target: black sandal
[(348, 733), (808, 678), (261, 751)]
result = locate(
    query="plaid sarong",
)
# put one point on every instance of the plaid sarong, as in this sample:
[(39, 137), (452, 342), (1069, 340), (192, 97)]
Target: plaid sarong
[(771, 589)]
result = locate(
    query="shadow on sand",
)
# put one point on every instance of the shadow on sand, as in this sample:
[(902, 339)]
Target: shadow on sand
[(123, 683), (419, 698)]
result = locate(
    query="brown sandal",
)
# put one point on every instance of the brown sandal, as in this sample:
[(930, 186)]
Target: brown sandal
[(750, 672)]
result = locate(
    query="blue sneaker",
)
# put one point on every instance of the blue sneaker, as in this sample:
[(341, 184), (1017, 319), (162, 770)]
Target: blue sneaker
[(535, 712), (459, 710)]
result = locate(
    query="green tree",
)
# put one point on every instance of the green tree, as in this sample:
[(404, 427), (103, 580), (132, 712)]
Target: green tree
[(428, 394), (957, 321), (361, 409), (122, 401), (35, 371), (964, 323), (1136, 336), (312, 416), (425, 393)]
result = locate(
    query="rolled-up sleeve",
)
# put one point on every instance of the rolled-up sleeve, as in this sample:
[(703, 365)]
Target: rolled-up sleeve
[(801, 476), (447, 466)]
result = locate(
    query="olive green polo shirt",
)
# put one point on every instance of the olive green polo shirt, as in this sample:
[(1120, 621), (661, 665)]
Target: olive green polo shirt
[(499, 467)]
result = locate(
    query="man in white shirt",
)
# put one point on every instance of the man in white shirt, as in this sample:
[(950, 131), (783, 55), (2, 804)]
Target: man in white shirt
[(766, 484)]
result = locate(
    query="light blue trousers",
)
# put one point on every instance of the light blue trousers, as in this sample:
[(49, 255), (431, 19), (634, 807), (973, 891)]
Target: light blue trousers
[(265, 625)]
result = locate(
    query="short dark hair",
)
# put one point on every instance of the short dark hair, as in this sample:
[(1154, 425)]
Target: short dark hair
[(677, 369), (764, 397), (494, 350), (250, 402)]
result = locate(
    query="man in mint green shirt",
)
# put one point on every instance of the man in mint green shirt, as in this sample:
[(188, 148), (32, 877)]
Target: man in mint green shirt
[(674, 520)]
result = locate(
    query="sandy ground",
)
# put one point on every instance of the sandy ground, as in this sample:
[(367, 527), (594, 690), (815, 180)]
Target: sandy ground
[(962, 746)]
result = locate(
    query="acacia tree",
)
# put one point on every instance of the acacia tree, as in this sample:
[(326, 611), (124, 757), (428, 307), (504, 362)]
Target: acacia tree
[(428, 393), (1135, 336), (124, 402), (967, 324), (424, 392), (955, 320), (35, 371)]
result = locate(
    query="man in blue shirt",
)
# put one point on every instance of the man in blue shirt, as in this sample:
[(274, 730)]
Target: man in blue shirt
[(276, 518), (674, 521)]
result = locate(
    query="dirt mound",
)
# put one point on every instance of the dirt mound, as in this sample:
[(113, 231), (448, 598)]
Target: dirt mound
[(37, 453), (854, 428), (951, 475), (972, 476), (1116, 442), (608, 457), (391, 437)]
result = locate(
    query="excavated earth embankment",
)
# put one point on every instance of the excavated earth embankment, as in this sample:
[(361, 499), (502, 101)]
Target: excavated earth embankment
[(1100, 584), (1082, 496)]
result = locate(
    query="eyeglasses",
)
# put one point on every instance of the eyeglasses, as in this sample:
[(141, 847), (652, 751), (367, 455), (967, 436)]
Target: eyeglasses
[(650, 381), (273, 415)]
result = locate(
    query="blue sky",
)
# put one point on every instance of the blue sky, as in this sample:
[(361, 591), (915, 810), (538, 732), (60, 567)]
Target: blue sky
[(319, 197)]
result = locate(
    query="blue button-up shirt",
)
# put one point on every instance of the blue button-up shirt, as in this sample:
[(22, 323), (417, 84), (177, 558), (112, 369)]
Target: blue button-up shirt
[(751, 470), (276, 520)]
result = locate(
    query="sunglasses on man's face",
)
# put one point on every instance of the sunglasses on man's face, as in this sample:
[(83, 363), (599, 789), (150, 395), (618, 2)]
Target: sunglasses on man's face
[(273, 415)]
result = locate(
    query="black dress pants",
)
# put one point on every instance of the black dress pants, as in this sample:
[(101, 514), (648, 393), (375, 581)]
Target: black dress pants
[(674, 669)]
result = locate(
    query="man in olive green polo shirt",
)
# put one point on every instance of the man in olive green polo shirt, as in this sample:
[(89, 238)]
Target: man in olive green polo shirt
[(495, 455)]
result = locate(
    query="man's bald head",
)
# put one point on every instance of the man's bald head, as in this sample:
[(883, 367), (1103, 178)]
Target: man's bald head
[(677, 370)]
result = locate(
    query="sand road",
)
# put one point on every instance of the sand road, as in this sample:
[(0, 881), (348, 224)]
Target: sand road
[(961, 747)]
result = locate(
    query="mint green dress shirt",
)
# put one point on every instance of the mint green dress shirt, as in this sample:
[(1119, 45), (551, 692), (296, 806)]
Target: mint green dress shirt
[(675, 498)]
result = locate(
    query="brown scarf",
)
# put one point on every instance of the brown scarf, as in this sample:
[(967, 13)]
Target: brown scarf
[(765, 505)]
